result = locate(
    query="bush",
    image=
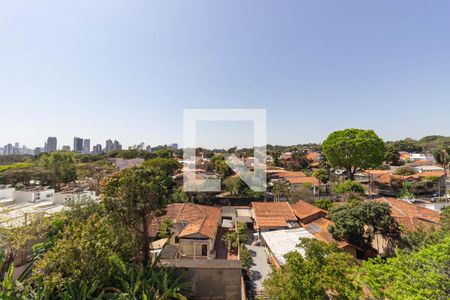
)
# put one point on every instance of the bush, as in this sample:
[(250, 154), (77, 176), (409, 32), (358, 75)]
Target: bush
[(348, 186), (246, 257), (405, 171), (324, 203)]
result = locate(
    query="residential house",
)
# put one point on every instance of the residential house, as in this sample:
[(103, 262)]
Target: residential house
[(280, 242), (195, 229), (306, 212), (319, 229), (192, 249), (270, 216), (410, 217)]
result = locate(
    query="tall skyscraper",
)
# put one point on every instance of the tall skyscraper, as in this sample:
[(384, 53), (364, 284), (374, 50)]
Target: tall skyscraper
[(86, 146), (117, 146), (97, 149), (109, 146), (77, 144), (8, 149), (51, 144)]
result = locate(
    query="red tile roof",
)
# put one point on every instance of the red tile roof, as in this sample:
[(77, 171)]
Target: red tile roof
[(272, 214), (199, 219), (303, 210), (312, 156), (411, 216), (319, 228)]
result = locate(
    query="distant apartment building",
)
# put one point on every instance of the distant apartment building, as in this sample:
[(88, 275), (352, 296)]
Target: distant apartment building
[(77, 144), (37, 151), (174, 146), (148, 148), (8, 149), (108, 146), (117, 146), (97, 149), (51, 144), (86, 146), (112, 146), (65, 148)]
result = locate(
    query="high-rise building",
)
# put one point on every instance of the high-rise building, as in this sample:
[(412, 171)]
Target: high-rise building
[(109, 146), (65, 148), (77, 144), (86, 146), (8, 149), (37, 151), (117, 146), (97, 149), (174, 146), (148, 148), (51, 144)]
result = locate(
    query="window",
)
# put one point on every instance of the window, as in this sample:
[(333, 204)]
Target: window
[(204, 250)]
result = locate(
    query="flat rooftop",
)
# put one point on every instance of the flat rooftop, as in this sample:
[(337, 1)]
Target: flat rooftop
[(14, 215), (281, 242)]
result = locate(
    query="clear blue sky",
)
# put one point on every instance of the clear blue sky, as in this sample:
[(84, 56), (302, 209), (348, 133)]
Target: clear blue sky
[(127, 69)]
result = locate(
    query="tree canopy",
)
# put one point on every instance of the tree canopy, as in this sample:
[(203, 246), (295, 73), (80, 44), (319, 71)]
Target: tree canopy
[(354, 150), (136, 195), (358, 222), (324, 270)]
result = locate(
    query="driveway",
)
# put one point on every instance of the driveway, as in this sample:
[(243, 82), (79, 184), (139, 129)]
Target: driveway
[(260, 268)]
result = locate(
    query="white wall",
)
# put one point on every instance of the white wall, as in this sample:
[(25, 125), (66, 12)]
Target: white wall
[(6, 193), (63, 198), (33, 196)]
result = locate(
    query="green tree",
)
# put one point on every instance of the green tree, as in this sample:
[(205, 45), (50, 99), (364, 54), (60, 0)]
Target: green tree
[(220, 165), (61, 166), (168, 166), (236, 237), (298, 161), (354, 150), (14, 236), (245, 257), (322, 174), (348, 186), (323, 203), (405, 171), (392, 156), (280, 189), (421, 275), (85, 252), (164, 230), (324, 271), (94, 172), (136, 195), (442, 156), (358, 222)]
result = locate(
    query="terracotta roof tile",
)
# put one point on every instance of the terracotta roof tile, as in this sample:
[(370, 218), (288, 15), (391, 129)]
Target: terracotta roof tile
[(272, 214), (200, 219), (301, 180), (312, 156), (411, 216), (303, 210), (285, 174)]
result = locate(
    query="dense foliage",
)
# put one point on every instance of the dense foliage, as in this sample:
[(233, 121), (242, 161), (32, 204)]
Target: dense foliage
[(323, 270), (354, 150), (358, 222)]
